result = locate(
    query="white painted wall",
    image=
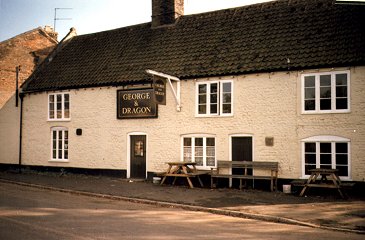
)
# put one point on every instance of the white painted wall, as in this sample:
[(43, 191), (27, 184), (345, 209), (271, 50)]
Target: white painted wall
[(265, 105)]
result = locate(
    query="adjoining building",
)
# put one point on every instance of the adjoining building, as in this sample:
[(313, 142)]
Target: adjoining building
[(26, 50), (278, 81)]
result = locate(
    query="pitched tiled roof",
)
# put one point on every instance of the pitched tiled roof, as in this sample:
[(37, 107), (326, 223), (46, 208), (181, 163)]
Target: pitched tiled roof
[(256, 38)]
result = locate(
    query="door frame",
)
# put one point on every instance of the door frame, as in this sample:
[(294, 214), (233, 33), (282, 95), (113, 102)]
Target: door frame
[(241, 135), (129, 151), (230, 148)]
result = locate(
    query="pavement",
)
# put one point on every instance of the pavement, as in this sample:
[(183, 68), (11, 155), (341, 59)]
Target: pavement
[(324, 210)]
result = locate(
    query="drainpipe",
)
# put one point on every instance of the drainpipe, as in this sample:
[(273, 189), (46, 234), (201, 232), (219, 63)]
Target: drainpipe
[(21, 95)]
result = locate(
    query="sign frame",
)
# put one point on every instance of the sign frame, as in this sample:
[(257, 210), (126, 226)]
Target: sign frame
[(139, 103)]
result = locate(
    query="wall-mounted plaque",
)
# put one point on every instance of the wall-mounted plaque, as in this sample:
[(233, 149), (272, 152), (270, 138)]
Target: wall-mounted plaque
[(136, 104)]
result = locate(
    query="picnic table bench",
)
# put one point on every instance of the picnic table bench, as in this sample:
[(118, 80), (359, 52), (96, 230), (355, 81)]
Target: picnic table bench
[(329, 179), (184, 170), (271, 167)]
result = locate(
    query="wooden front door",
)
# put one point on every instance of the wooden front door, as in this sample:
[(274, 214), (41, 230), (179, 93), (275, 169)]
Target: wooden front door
[(241, 151), (138, 156)]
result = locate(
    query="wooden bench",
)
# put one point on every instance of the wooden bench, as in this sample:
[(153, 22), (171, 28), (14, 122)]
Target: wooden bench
[(271, 167)]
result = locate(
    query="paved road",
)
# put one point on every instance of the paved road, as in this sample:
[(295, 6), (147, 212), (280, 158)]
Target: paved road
[(29, 213)]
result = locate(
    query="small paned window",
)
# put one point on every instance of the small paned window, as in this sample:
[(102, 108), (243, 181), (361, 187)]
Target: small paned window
[(60, 144), (214, 98), (326, 92), (327, 153), (200, 150), (59, 106)]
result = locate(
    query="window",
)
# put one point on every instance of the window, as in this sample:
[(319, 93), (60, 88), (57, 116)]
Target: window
[(214, 98), (200, 150), (327, 152), (59, 144), (59, 106), (326, 92)]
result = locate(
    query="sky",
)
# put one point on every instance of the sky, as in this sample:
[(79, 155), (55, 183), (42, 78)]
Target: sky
[(89, 16)]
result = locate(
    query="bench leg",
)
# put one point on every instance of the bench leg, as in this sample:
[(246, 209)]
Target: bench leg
[(190, 183), (272, 185), (241, 184), (163, 180), (200, 181)]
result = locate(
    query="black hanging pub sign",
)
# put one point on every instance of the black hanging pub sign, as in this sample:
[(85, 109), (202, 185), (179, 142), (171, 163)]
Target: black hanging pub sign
[(136, 104)]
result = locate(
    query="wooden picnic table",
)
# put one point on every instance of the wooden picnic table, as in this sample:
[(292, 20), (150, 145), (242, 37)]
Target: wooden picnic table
[(329, 179), (182, 169)]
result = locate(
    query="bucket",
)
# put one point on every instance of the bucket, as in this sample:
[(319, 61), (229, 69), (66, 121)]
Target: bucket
[(286, 188), (156, 180)]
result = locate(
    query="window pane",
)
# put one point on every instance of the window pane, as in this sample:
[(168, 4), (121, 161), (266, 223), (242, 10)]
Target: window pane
[(226, 98), (342, 171), (210, 141), (187, 154), (67, 110), (226, 108), (341, 148), (325, 80), (202, 109), (210, 161), (59, 110), (198, 141), (325, 147), (187, 150), (341, 91), (310, 159), (187, 141), (213, 108), (325, 159), (310, 147), (310, 93), (213, 98), (325, 104), (51, 106), (309, 167), (227, 87), (325, 92), (341, 79), (341, 159), (213, 88), (309, 81), (199, 161), (310, 104), (202, 99), (202, 88), (341, 103), (210, 151)]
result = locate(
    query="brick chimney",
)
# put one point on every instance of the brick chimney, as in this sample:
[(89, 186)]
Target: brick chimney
[(165, 12)]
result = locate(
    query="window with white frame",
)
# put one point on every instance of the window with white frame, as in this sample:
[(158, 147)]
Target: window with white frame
[(214, 98), (59, 106), (326, 92), (329, 152), (199, 149), (59, 144)]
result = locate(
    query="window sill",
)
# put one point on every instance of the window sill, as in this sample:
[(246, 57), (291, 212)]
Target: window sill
[(59, 120), (325, 112), (214, 116), (58, 161)]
